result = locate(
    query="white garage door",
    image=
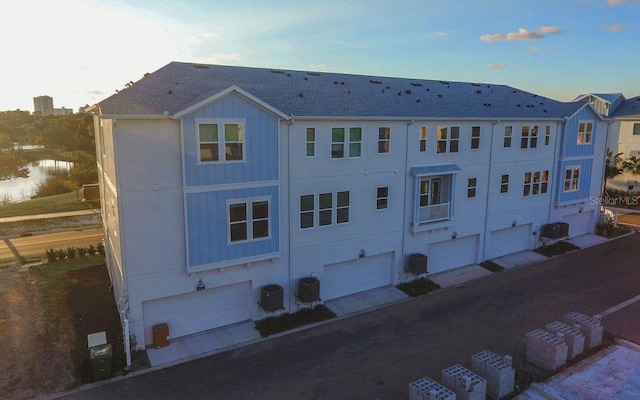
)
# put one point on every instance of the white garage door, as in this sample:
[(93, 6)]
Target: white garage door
[(509, 240), (198, 311), (355, 276), (452, 253), (580, 223)]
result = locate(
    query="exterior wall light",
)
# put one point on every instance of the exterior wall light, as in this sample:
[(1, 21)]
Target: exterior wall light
[(362, 254), (200, 285)]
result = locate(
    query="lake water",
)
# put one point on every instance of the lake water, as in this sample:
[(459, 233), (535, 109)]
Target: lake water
[(39, 171)]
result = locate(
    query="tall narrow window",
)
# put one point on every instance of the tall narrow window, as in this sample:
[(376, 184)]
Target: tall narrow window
[(475, 137), (238, 222), (584, 132), (337, 142), (209, 142), (571, 179), (508, 132), (307, 206), (233, 142), (471, 187), (504, 183), (423, 138), (524, 138), (355, 142), (342, 210), (534, 137), (443, 132), (382, 197), (311, 142), (455, 139), (384, 139), (325, 207), (547, 135)]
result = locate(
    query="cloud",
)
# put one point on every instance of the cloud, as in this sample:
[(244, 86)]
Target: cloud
[(317, 66), (496, 66), (615, 27), (522, 34), (617, 2), (533, 49), (441, 34)]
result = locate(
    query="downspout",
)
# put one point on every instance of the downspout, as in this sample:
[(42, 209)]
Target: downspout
[(404, 209), (289, 227), (486, 212)]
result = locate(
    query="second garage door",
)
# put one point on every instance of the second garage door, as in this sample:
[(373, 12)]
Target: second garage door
[(453, 253), (355, 276), (508, 240)]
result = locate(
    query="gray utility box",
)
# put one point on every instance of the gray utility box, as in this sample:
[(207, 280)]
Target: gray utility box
[(464, 383), (100, 357), (546, 350), (498, 371), (590, 326), (572, 336), (428, 389)]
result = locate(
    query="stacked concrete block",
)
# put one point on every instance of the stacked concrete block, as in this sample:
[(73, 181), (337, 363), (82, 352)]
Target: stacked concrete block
[(498, 372), (464, 383), (546, 350), (591, 328), (428, 389), (572, 336)]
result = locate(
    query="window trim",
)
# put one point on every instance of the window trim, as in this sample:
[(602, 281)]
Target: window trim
[(635, 131), (587, 136), (448, 140), (530, 139), (221, 122), (335, 209), (504, 186), (535, 188), (308, 142), (382, 199), (475, 137), (354, 142), (386, 141), (508, 136), (547, 135), (422, 143), (472, 187), (248, 203), (572, 180)]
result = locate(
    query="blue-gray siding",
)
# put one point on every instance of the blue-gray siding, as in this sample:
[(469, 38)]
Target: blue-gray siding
[(570, 146)]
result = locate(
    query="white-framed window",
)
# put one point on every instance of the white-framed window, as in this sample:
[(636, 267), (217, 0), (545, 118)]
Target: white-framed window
[(547, 135), (508, 134), (472, 185), (248, 219), (475, 137), (382, 197), (571, 179), (337, 142), (529, 137), (384, 139), (355, 142), (535, 183), (585, 129), (310, 141), (324, 209), (636, 129), (221, 140), (504, 183), (448, 139), (423, 139)]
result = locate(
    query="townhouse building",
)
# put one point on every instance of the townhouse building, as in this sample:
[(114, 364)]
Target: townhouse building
[(218, 182)]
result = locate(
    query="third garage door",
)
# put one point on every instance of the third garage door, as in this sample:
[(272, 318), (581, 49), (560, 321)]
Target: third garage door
[(508, 240), (342, 279)]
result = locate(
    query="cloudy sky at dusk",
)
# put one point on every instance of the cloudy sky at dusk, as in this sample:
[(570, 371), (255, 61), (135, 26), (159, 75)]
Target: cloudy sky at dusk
[(81, 51)]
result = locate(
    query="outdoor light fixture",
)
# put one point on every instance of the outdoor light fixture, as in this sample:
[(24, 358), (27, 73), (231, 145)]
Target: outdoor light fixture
[(514, 223), (200, 285), (362, 253), (455, 235)]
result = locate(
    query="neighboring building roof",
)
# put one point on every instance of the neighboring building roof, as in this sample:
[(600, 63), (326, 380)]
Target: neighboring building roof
[(177, 86), (608, 97), (628, 108)]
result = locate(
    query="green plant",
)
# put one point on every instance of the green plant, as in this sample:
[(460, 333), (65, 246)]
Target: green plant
[(100, 249), (91, 250), (491, 266), (54, 185), (50, 254), (284, 322), (71, 252), (61, 254), (82, 251), (418, 287)]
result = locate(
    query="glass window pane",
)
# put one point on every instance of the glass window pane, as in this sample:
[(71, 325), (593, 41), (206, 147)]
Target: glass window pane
[(325, 200), (306, 220), (384, 133), (306, 202), (442, 132), (233, 151), (233, 132), (260, 209), (237, 212), (383, 191), (355, 149), (238, 232), (261, 229), (208, 132), (343, 215), (337, 135), (337, 151), (355, 134), (324, 218), (311, 134), (381, 204), (453, 147), (455, 132), (343, 199), (209, 152), (505, 178), (311, 149)]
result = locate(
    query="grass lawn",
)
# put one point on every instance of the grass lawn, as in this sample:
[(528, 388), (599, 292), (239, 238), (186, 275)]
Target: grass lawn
[(44, 205)]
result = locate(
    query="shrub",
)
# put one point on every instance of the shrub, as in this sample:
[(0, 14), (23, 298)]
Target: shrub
[(418, 287), (71, 252), (60, 254), (91, 250), (82, 251), (50, 254), (52, 186), (100, 249), (272, 325), (491, 266)]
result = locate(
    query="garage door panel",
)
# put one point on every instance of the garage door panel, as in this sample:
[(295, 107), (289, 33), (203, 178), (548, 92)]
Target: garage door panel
[(199, 311), (355, 276), (451, 254), (580, 223), (508, 241)]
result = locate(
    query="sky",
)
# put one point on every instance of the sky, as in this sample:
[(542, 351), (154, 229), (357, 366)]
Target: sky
[(81, 51)]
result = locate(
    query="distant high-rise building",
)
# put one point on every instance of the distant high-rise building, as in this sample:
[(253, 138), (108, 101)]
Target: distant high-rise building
[(43, 105)]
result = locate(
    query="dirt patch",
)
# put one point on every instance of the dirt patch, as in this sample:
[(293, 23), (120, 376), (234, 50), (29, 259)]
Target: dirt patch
[(46, 315)]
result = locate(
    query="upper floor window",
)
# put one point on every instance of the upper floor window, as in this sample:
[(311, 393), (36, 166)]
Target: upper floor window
[(448, 138), (355, 142), (504, 183), (221, 136), (310, 142), (423, 138), (508, 133), (529, 138), (584, 132), (382, 197), (337, 142), (636, 129), (384, 139), (535, 183), (471, 187), (339, 139), (475, 137), (571, 179), (248, 220), (547, 135), (323, 209)]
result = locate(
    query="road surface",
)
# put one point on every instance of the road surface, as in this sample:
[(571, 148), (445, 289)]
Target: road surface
[(22, 247)]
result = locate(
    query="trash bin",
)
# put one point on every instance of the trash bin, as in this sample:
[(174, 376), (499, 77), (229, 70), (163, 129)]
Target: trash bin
[(100, 357)]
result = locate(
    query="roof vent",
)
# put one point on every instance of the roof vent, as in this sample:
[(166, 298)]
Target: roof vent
[(375, 82), (416, 84), (306, 79), (313, 73), (301, 95), (439, 95), (417, 100), (335, 82), (399, 92), (475, 84), (277, 71), (201, 66), (479, 91), (408, 91), (444, 82)]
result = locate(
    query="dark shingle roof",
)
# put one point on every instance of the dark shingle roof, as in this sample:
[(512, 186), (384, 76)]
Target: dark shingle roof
[(178, 86), (627, 108)]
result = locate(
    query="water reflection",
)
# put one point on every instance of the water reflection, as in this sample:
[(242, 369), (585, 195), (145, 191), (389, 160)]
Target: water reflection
[(39, 171)]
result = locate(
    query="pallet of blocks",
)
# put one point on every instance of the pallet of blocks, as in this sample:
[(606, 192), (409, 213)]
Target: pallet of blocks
[(428, 389), (497, 371), (546, 350), (590, 326), (466, 384), (572, 336)]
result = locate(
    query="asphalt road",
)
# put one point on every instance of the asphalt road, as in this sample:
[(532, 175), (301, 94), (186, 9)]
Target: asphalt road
[(22, 247), (375, 355)]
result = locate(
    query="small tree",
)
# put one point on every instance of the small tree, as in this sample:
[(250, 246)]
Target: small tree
[(614, 166)]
